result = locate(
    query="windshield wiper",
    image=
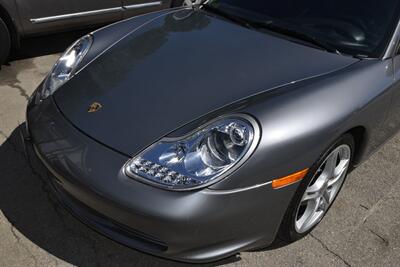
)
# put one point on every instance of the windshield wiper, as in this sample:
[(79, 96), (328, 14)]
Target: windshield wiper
[(290, 31), (228, 16)]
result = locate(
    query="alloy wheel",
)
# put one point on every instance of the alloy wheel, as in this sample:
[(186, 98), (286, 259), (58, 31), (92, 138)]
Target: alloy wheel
[(323, 188)]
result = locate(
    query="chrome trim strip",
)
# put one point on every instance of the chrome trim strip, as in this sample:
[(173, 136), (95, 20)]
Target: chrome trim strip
[(233, 191), (76, 15), (136, 6)]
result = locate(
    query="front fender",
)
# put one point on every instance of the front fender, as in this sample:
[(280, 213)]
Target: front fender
[(9, 12), (106, 37), (301, 121)]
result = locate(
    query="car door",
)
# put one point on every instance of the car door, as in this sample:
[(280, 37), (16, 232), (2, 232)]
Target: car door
[(136, 7), (392, 124), (46, 16)]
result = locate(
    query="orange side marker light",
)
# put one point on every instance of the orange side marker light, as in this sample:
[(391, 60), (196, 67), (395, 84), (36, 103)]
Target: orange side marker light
[(290, 179)]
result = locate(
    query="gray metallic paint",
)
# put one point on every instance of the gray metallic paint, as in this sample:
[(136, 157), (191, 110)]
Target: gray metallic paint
[(303, 99), (230, 66), (27, 13), (181, 220)]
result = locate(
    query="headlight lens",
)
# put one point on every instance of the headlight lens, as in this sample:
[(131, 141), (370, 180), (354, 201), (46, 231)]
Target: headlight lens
[(200, 158), (66, 66)]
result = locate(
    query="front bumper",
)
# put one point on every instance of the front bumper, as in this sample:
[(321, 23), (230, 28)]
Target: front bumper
[(197, 226)]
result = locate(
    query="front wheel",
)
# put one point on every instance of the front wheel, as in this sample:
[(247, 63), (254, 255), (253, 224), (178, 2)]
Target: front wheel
[(317, 191), (5, 43)]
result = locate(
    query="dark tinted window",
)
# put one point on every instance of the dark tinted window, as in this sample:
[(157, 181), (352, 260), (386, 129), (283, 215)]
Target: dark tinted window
[(353, 27)]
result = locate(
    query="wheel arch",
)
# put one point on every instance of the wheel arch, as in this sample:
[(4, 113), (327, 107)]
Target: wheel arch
[(359, 134), (9, 21)]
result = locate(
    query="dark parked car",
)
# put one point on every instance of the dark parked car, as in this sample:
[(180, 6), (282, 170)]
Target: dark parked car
[(196, 133), (24, 18)]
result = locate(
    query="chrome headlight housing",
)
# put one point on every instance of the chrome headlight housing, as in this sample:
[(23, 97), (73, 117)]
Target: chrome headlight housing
[(200, 158), (66, 66)]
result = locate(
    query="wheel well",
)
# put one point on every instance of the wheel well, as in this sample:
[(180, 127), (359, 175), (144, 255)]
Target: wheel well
[(177, 3), (5, 16), (359, 135)]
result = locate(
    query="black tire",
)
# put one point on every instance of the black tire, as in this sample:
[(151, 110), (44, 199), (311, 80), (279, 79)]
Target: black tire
[(5, 43), (287, 232), (177, 3)]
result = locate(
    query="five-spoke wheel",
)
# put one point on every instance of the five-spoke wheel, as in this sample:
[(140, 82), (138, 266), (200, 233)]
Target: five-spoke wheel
[(323, 188), (317, 191)]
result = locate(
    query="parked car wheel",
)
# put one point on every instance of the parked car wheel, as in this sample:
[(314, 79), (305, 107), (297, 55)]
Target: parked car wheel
[(177, 3), (5, 43), (318, 191)]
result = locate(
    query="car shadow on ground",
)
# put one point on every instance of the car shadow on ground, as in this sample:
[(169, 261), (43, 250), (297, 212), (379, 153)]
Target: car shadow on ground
[(47, 44), (28, 204)]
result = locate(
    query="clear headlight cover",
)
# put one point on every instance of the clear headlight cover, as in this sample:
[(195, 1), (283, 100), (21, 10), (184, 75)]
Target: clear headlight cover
[(66, 66), (200, 158)]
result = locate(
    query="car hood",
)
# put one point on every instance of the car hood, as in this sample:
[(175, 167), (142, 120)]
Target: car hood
[(177, 68)]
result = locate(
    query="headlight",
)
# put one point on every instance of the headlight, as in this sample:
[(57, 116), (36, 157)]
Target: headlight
[(200, 158), (66, 66)]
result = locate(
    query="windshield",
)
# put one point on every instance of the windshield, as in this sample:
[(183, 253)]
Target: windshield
[(358, 28)]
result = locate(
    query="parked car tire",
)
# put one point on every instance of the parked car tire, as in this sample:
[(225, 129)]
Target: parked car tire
[(5, 44), (177, 3), (295, 225)]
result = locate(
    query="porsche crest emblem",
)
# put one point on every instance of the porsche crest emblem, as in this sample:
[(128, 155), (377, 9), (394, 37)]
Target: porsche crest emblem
[(94, 107)]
